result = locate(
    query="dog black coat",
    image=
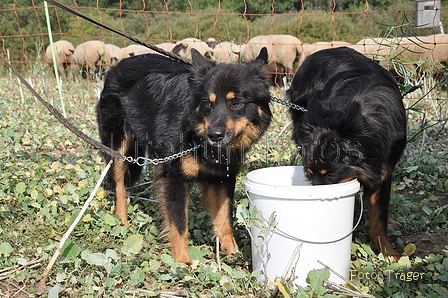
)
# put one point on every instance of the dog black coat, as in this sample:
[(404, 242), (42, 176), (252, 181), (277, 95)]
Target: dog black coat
[(154, 105), (355, 127)]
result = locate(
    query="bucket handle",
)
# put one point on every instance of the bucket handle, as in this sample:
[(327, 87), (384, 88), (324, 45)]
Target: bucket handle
[(286, 235)]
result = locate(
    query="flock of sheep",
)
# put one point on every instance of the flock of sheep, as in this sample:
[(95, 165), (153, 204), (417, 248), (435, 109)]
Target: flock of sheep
[(286, 53)]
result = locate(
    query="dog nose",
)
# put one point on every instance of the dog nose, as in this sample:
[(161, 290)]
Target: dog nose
[(216, 135)]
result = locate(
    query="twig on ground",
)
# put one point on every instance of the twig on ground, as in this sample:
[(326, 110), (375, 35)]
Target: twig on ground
[(295, 256), (282, 131), (72, 227), (19, 290), (218, 256), (345, 291), (7, 272), (158, 294)]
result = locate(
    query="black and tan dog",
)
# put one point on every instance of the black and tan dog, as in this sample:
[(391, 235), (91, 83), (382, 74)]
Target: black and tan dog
[(355, 127), (154, 105)]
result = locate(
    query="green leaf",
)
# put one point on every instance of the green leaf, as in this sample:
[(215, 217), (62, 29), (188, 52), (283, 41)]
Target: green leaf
[(132, 245), (427, 210), (440, 218), (404, 262), (97, 258), (316, 279), (5, 249), (111, 220), (34, 194), (167, 259), (154, 265), (410, 249), (22, 261), (137, 276), (196, 254), (226, 283), (75, 213), (71, 250), (54, 291), (112, 254), (20, 188)]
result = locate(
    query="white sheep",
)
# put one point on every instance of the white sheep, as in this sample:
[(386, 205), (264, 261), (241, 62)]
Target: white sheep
[(63, 51), (90, 57)]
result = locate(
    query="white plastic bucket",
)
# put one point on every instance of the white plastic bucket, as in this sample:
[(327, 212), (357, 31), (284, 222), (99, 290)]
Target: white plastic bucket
[(320, 218)]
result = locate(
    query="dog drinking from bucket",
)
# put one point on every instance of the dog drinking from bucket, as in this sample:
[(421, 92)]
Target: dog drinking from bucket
[(355, 127)]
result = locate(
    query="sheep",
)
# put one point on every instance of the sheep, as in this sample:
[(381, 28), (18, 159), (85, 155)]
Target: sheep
[(425, 54), (382, 50), (90, 57), (211, 42), (63, 51), (115, 54), (226, 52), (136, 49), (284, 50), (183, 48), (167, 46)]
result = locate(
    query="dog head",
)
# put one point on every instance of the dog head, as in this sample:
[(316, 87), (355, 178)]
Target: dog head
[(336, 146), (231, 101)]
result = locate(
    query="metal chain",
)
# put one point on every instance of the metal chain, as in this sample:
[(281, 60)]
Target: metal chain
[(141, 161), (289, 104)]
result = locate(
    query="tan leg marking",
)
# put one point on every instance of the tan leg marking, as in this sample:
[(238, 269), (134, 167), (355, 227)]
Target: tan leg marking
[(218, 206), (120, 168), (179, 245), (190, 167), (377, 234), (121, 204)]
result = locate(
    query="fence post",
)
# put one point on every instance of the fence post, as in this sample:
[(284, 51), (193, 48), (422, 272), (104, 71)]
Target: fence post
[(53, 56)]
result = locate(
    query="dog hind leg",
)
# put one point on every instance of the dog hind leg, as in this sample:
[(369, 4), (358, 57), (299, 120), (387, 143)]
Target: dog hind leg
[(124, 174), (111, 125), (120, 168)]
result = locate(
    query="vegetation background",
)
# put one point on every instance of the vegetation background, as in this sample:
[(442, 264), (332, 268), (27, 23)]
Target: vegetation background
[(24, 24)]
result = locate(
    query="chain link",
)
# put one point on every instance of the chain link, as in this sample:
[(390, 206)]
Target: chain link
[(141, 161), (289, 104)]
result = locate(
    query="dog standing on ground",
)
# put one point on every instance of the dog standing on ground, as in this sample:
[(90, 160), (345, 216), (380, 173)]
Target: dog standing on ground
[(355, 127), (157, 106)]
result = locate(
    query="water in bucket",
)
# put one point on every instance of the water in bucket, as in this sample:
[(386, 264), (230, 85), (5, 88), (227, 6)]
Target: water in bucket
[(316, 219)]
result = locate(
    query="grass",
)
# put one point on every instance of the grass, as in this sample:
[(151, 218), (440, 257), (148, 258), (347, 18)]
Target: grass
[(47, 173)]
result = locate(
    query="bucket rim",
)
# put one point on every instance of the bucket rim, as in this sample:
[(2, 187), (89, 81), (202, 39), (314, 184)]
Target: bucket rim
[(297, 192)]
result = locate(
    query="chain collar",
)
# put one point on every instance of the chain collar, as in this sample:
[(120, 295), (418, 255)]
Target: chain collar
[(289, 104), (141, 161)]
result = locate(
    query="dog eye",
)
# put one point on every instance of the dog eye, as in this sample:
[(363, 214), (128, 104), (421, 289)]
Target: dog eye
[(331, 175), (207, 103), (236, 105)]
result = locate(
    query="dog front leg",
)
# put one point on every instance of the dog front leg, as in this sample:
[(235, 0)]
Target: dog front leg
[(378, 205), (217, 200)]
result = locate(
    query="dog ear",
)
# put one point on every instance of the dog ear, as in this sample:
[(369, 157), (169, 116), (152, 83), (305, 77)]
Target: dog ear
[(353, 152), (200, 63), (354, 125), (303, 132), (263, 55), (322, 115)]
